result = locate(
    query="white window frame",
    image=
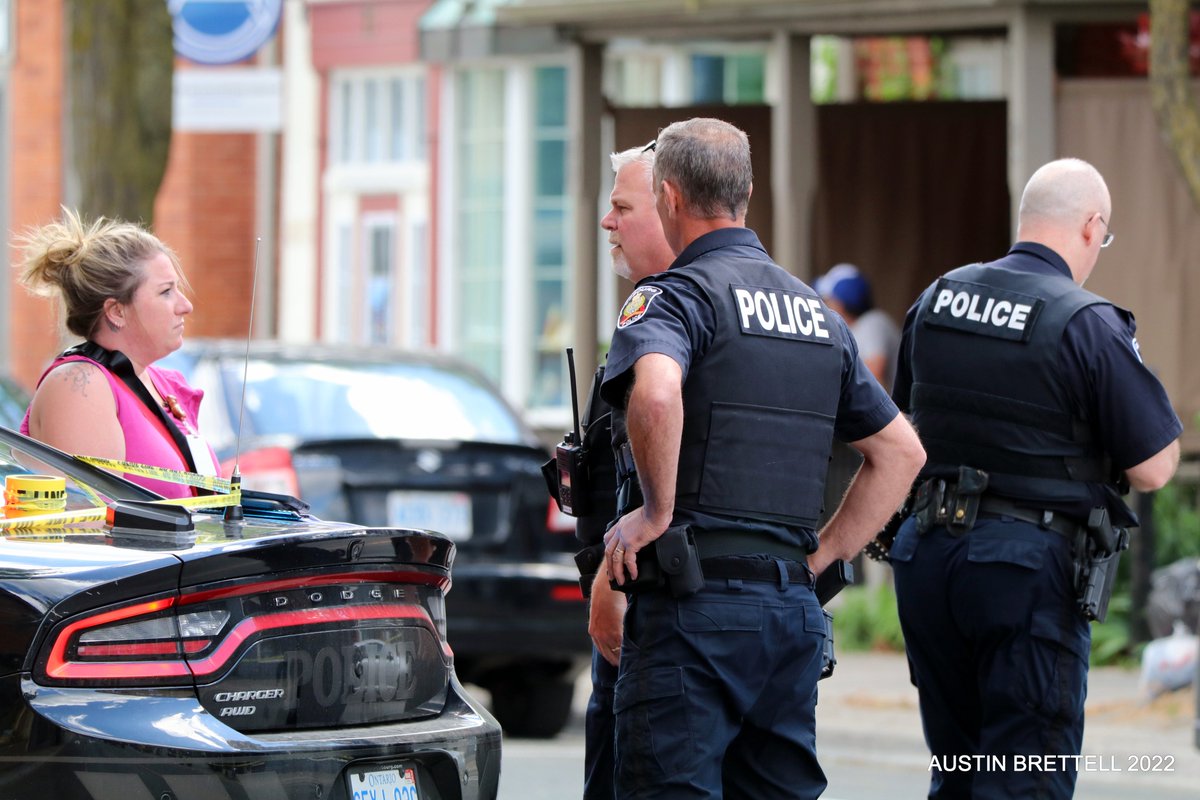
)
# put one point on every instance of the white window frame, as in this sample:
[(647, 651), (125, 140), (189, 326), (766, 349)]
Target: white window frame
[(517, 358)]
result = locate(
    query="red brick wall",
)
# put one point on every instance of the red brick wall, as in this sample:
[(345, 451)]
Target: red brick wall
[(35, 170), (206, 213), (365, 32)]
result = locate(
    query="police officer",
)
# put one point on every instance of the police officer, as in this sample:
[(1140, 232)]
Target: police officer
[(735, 380), (638, 249), (1034, 406)]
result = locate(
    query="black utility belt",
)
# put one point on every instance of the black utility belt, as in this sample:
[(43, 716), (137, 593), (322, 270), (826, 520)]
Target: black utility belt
[(1050, 520), (755, 569), (955, 505)]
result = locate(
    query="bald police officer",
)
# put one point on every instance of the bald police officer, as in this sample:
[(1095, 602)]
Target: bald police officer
[(1035, 408), (735, 379)]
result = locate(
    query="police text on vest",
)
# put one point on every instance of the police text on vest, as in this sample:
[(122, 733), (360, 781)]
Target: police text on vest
[(981, 309), (775, 312)]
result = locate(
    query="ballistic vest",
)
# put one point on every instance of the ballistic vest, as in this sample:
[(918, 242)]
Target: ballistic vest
[(988, 391), (760, 404)]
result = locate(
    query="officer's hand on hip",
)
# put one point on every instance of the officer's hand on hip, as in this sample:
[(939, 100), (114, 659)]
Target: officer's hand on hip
[(623, 541)]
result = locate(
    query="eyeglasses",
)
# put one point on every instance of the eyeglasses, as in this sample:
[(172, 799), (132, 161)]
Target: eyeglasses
[(1108, 235), (650, 147)]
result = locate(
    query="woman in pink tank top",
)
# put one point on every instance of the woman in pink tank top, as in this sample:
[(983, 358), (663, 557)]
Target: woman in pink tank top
[(122, 290)]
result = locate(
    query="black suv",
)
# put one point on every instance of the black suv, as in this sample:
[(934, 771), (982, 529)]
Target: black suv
[(395, 439)]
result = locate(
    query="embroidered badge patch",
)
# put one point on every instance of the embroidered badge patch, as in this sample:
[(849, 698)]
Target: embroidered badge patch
[(636, 306)]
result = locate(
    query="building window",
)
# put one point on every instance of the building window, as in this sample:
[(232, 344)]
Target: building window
[(549, 222), (379, 298), (480, 216), (378, 117), (508, 222), (699, 73)]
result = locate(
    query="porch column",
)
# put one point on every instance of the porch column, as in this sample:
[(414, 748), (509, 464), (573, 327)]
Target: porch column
[(585, 103), (793, 155), (1031, 129)]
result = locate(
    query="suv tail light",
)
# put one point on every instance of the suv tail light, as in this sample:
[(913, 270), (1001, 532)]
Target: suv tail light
[(200, 635)]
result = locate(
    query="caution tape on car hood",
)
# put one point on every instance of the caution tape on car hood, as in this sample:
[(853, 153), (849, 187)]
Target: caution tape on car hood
[(227, 494), (210, 482)]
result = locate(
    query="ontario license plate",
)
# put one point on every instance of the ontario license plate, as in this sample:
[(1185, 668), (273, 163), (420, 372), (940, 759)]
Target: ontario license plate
[(448, 513), (384, 784)]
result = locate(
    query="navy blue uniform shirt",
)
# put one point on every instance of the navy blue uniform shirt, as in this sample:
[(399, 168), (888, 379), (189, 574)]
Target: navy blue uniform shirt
[(680, 323), (1101, 367)]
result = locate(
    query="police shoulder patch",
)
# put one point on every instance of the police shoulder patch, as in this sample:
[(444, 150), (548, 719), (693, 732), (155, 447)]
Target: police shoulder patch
[(637, 305)]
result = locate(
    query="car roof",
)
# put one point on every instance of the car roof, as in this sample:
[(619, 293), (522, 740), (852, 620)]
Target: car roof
[(308, 351)]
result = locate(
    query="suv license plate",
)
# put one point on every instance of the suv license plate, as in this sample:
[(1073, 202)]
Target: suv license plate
[(448, 513), (384, 784)]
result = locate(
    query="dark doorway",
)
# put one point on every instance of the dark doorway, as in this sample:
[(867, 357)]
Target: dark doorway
[(907, 191)]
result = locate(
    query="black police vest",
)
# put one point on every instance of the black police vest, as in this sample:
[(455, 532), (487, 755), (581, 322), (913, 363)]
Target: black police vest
[(987, 389), (759, 406)]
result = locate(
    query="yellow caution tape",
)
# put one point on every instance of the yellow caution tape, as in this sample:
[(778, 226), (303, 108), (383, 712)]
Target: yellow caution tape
[(209, 482), (34, 494), (61, 519), (227, 495), (206, 501)]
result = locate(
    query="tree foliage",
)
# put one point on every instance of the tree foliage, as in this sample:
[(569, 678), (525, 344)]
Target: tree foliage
[(1170, 87), (121, 71)]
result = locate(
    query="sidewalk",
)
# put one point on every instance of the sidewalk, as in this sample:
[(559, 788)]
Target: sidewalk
[(869, 706)]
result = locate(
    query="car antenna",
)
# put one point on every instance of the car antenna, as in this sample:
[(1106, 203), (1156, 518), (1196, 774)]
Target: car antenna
[(234, 513)]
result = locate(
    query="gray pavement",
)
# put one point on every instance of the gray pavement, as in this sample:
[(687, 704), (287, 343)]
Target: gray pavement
[(867, 712)]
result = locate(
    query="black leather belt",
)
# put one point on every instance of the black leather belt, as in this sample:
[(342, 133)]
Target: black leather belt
[(754, 569), (1050, 520)]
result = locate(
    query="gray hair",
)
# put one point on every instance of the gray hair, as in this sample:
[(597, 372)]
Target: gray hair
[(634, 155), (1063, 191), (709, 161)]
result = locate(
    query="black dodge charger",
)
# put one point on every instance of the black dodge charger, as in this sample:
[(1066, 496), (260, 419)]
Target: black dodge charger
[(401, 439), (163, 652)]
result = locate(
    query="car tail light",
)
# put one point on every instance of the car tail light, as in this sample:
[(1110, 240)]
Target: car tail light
[(557, 521), (199, 635), (269, 469), (567, 593)]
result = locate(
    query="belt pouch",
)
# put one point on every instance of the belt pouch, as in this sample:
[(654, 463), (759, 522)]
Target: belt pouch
[(679, 561), (928, 504), (588, 561), (960, 516)]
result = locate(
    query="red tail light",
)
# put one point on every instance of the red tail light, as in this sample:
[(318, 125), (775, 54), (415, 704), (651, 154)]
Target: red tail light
[(269, 469), (169, 640)]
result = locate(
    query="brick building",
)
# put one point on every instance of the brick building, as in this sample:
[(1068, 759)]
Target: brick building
[(208, 207)]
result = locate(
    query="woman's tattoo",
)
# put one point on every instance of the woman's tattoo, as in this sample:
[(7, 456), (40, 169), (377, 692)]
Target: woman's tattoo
[(79, 376)]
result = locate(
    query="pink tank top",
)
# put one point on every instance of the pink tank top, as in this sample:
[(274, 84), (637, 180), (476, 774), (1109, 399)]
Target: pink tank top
[(146, 440)]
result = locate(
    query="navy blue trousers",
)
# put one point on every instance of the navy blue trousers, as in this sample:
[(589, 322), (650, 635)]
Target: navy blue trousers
[(599, 732), (717, 694), (998, 653)]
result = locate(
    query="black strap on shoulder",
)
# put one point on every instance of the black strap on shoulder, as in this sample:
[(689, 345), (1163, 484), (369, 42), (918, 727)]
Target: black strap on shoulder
[(119, 364)]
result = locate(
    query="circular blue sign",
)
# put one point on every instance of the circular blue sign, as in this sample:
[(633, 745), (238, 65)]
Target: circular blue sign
[(223, 31)]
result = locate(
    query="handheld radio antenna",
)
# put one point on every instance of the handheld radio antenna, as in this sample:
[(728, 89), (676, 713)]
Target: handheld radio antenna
[(574, 394), (235, 512)]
